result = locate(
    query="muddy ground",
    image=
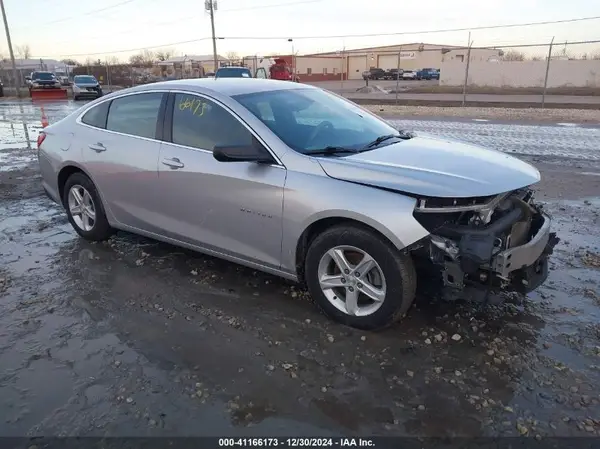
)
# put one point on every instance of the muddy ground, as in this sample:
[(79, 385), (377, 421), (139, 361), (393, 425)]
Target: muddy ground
[(134, 337)]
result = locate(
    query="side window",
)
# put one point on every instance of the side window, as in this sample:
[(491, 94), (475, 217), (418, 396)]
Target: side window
[(97, 115), (135, 114), (201, 123)]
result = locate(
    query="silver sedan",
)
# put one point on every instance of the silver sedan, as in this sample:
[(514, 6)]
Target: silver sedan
[(301, 183)]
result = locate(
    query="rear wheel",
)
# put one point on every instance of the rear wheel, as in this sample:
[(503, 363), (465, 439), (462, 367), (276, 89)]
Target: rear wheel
[(84, 208), (358, 278)]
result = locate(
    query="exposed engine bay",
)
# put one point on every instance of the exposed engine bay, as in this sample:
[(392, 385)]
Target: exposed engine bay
[(499, 242)]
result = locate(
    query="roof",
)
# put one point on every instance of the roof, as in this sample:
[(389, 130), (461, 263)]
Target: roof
[(408, 48), (34, 62), (225, 86)]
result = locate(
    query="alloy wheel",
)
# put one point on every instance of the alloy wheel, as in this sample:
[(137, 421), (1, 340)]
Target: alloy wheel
[(82, 208), (352, 281)]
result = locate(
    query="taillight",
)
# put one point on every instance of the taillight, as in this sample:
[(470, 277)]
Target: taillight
[(41, 137)]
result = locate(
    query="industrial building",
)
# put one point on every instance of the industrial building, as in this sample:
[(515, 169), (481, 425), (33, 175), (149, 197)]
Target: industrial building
[(352, 63)]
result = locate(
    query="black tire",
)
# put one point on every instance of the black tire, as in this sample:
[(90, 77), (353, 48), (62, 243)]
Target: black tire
[(75, 98), (398, 269), (101, 230)]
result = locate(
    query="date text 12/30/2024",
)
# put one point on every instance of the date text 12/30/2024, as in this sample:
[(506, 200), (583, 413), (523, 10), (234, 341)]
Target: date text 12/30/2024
[(296, 442)]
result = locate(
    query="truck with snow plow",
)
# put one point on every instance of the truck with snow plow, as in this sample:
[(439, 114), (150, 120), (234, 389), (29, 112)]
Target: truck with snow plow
[(45, 86)]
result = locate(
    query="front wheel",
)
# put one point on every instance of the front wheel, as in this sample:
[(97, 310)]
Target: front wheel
[(358, 278)]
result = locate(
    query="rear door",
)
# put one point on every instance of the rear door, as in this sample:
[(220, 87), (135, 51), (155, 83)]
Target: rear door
[(120, 148), (234, 208)]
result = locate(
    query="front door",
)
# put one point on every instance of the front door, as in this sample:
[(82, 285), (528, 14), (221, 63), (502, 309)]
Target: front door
[(122, 158), (233, 208)]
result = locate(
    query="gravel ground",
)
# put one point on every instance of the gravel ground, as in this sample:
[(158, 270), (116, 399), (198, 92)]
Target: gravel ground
[(138, 338), (531, 114)]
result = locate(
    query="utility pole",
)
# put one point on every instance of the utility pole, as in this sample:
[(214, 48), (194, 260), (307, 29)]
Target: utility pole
[(293, 65), (211, 7), (10, 50), (464, 100), (547, 71)]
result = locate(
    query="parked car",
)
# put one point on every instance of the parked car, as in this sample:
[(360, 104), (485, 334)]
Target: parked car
[(233, 72), (428, 74), (86, 86), (409, 75), (63, 77), (374, 74), (393, 74), (298, 182), (44, 80)]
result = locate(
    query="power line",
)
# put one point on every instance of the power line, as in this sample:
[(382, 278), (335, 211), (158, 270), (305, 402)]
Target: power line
[(347, 36), (110, 52), (179, 19), (89, 13), (402, 33), (452, 48)]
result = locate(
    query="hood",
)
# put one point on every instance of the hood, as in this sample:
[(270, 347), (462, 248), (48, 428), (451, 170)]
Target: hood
[(435, 167), (86, 84)]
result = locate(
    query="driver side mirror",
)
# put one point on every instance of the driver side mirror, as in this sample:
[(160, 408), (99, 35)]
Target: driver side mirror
[(243, 153)]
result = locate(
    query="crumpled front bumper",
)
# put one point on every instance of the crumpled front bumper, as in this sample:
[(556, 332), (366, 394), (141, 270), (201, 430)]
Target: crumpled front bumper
[(467, 262), (527, 264)]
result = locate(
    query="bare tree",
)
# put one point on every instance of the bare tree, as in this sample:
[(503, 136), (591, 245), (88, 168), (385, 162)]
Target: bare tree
[(595, 56), (513, 55), (145, 58), (164, 54), (24, 51), (69, 61), (112, 60), (536, 58), (232, 56)]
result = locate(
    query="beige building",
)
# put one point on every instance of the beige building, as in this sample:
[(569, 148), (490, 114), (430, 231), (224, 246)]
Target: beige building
[(412, 56)]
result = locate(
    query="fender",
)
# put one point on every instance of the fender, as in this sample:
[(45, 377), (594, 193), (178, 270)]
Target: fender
[(309, 199)]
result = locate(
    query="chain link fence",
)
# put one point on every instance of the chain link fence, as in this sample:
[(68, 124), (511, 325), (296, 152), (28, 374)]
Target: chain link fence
[(111, 76)]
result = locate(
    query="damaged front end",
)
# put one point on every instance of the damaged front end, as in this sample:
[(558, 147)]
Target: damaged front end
[(499, 242)]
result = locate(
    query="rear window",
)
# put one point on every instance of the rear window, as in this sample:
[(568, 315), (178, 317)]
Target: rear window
[(233, 73), (97, 115), (84, 79), (44, 76)]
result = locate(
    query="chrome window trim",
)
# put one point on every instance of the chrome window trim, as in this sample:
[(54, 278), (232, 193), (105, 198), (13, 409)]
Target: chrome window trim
[(78, 121)]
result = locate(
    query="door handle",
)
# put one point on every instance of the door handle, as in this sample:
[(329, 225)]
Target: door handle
[(174, 163), (98, 147)]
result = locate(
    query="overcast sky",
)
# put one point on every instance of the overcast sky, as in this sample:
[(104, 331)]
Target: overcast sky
[(61, 28)]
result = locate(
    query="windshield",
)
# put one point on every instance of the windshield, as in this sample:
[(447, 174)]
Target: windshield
[(85, 79), (308, 120), (44, 76), (233, 73)]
